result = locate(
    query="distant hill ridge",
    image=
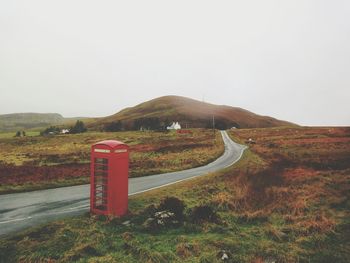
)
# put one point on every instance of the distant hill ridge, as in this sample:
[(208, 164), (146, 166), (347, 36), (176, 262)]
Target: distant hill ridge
[(13, 121), (25, 121), (189, 112)]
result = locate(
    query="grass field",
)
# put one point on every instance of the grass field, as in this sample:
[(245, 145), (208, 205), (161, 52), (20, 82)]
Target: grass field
[(7, 135), (38, 162), (287, 200)]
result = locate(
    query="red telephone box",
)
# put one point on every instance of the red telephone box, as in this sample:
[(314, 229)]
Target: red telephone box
[(109, 178)]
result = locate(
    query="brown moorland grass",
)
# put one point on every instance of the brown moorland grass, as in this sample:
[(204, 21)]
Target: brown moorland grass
[(39, 162), (275, 205)]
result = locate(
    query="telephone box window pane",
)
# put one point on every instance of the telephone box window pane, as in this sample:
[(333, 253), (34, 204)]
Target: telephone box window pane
[(101, 161), (101, 168), (100, 183), (100, 173)]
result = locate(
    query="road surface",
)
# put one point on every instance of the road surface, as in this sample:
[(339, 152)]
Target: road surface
[(22, 210)]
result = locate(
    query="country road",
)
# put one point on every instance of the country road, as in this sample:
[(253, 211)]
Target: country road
[(22, 210)]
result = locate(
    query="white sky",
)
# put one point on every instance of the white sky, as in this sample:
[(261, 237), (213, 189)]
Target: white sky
[(287, 59)]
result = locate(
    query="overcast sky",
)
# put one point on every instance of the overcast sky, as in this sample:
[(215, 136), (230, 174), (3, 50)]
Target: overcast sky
[(287, 59)]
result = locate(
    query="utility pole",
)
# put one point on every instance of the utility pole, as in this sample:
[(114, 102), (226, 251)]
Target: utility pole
[(214, 126)]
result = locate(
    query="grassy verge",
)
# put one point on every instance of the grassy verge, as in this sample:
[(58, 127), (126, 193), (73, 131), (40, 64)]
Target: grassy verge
[(37, 162), (263, 209), (27, 187), (7, 135)]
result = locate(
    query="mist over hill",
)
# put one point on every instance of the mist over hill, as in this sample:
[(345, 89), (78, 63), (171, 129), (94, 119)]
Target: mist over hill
[(189, 112)]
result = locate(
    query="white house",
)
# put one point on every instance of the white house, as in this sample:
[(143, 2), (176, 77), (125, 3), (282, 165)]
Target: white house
[(174, 126), (64, 131)]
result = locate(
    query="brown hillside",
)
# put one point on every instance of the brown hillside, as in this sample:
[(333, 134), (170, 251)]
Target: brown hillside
[(191, 112)]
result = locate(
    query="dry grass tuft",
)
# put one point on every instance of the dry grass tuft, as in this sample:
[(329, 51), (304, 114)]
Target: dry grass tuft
[(316, 224), (186, 250)]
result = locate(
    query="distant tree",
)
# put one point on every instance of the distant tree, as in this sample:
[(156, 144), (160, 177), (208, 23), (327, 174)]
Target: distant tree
[(79, 127), (164, 124), (23, 133), (50, 130), (221, 124), (153, 123), (209, 124), (113, 126), (18, 134), (234, 124), (138, 124)]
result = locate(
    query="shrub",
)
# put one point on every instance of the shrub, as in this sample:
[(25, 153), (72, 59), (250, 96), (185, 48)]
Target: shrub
[(20, 134), (79, 127), (173, 205), (50, 131), (204, 213), (113, 126), (185, 249), (169, 213)]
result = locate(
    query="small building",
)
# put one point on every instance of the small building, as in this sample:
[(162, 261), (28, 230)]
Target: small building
[(174, 126), (65, 131)]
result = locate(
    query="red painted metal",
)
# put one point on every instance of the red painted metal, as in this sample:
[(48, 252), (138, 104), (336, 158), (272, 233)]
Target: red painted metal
[(109, 178)]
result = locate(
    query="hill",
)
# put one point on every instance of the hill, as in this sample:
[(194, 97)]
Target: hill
[(25, 121), (189, 112), (21, 121)]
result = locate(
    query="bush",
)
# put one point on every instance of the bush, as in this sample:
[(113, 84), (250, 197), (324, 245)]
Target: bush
[(79, 127), (113, 126), (50, 131), (169, 213), (173, 205), (204, 213)]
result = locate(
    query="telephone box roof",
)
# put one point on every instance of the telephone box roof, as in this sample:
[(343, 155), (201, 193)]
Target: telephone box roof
[(111, 143)]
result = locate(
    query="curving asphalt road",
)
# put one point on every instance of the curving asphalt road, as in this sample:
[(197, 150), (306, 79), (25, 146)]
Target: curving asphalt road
[(19, 211)]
